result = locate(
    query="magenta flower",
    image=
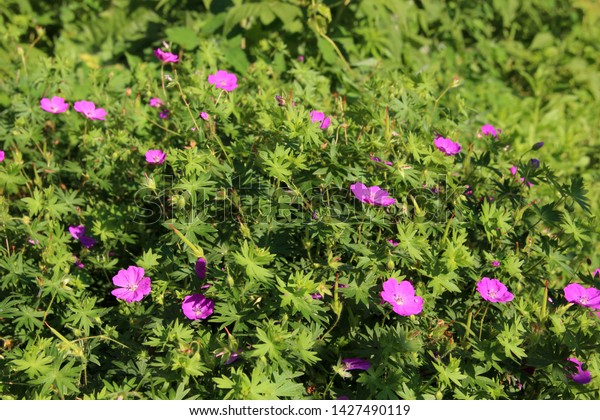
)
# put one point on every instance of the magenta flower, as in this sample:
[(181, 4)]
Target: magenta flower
[(165, 56), (402, 297), (581, 376), (372, 195), (77, 231), (88, 109), (493, 290), (586, 297), (133, 285), (223, 80), (155, 157), (318, 116), (1, 155), (489, 130), (204, 116), (164, 114), (513, 170), (393, 243), (447, 146), (55, 105), (356, 364), (495, 263), (197, 306), (200, 268), (155, 102), (316, 296)]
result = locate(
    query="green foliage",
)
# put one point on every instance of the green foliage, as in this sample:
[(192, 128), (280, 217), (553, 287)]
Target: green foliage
[(295, 262)]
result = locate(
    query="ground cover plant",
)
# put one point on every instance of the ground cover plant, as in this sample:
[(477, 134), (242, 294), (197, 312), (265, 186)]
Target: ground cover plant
[(299, 199)]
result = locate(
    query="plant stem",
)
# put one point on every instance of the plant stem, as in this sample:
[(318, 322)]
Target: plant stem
[(487, 305)]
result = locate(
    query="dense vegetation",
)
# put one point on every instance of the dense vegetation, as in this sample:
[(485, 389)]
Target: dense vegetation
[(299, 199)]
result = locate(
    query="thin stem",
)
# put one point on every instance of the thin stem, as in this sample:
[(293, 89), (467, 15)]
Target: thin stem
[(487, 305), (162, 80)]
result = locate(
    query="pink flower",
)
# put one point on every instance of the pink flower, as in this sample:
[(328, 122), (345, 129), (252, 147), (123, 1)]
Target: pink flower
[(586, 297), (155, 157), (495, 263), (204, 116), (493, 290), (354, 363), (513, 170), (581, 376), (165, 56), (155, 102), (447, 146), (1, 155), (489, 130), (372, 195), (318, 116), (223, 80), (393, 243), (197, 306), (56, 105), (89, 110), (200, 268), (133, 285), (77, 231), (402, 297)]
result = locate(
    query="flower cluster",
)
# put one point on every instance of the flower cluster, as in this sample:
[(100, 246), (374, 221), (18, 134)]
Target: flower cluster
[(57, 105), (318, 116), (78, 232), (447, 146)]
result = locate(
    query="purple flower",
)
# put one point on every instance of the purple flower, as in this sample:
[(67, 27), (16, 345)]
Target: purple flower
[(393, 243), (1, 155), (316, 296), (223, 80), (493, 290), (581, 376), (200, 268), (402, 297), (155, 157), (372, 195), (204, 116), (165, 56), (356, 364), (155, 102), (375, 159), (495, 263), (164, 114), (537, 146), (77, 231), (489, 130), (447, 146), (78, 262), (56, 105), (535, 163), (586, 297), (596, 273), (197, 306), (88, 109), (318, 116), (133, 285), (87, 241)]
